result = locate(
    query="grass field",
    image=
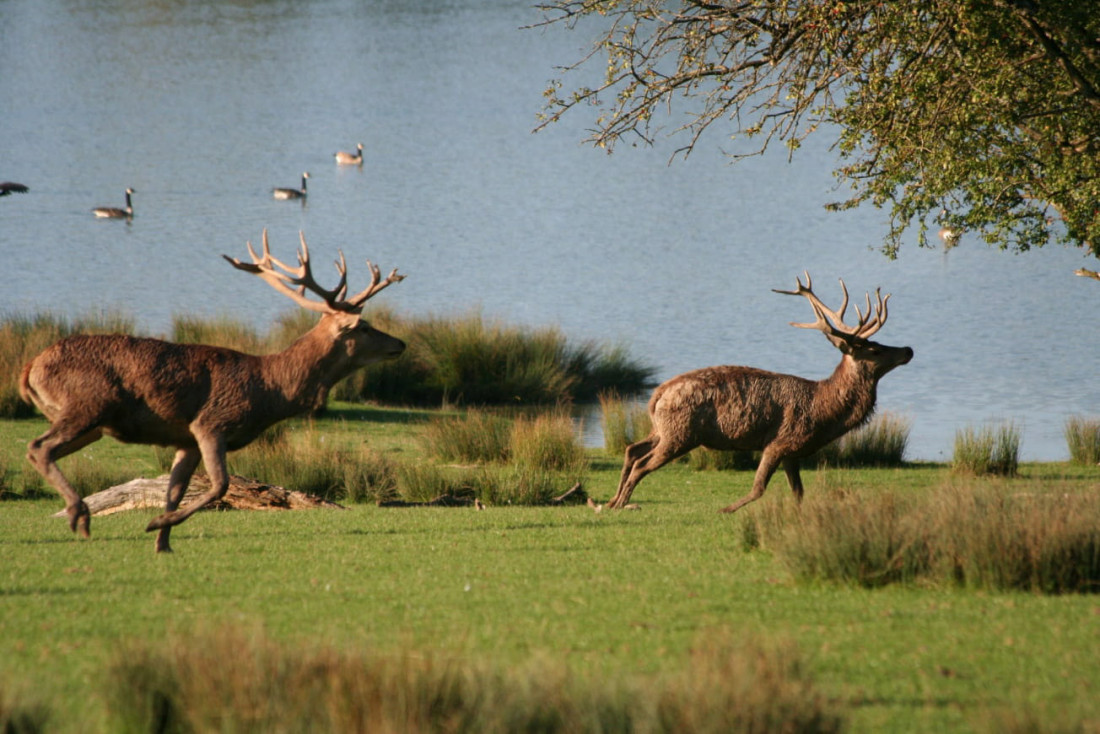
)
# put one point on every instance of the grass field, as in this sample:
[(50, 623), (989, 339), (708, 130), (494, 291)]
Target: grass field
[(605, 599)]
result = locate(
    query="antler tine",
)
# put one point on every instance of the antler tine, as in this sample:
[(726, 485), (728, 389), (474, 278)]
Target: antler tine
[(295, 282), (866, 326), (376, 284), (829, 321), (264, 265), (342, 268), (832, 322)]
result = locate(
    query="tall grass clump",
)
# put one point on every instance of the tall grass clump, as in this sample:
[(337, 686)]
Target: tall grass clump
[(300, 460), (976, 535), (546, 460), (190, 685), (524, 460), (472, 362), (88, 473), (468, 360), (23, 337), (704, 459), (730, 686), (987, 450), (881, 442), (479, 436), (424, 482), (623, 421), (222, 331), (1083, 440), (842, 536), (370, 477), (1039, 541), (547, 441)]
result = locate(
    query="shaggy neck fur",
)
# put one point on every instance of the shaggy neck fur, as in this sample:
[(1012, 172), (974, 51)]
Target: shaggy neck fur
[(847, 396), (306, 370)]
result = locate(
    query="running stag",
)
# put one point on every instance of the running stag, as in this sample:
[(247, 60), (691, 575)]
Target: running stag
[(784, 416), (203, 400)]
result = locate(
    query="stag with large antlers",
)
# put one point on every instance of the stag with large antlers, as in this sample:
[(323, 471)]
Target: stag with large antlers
[(203, 400), (783, 416)]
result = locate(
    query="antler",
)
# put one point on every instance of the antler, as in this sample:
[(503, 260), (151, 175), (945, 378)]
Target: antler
[(832, 322), (295, 282)]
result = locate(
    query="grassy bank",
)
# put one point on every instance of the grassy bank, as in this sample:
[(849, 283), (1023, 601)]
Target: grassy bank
[(605, 615)]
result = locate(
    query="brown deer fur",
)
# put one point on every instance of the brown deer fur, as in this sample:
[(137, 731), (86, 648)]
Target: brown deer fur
[(203, 400), (783, 416)]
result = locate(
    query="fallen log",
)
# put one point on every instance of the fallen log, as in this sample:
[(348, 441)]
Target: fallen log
[(243, 494), (575, 496)]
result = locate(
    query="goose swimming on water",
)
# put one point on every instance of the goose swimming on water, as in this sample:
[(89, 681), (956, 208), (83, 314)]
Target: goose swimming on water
[(109, 212), (10, 187), (292, 193), (350, 159)]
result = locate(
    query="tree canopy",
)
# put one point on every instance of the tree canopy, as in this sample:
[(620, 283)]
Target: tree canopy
[(980, 115)]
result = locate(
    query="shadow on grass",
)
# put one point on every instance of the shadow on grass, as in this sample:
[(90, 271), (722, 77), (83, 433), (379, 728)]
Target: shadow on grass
[(370, 414)]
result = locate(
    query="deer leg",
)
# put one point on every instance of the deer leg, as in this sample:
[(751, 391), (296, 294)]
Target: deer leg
[(182, 468), (44, 452), (213, 456), (644, 457), (790, 466), (769, 462), (633, 453)]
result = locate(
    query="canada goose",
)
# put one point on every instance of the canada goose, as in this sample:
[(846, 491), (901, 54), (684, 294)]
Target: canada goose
[(350, 159), (8, 187), (292, 193), (108, 212)]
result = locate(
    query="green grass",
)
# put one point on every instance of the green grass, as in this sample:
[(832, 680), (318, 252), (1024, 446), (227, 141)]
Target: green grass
[(612, 602)]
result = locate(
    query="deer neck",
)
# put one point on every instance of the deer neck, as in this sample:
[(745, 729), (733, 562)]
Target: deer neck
[(847, 397), (303, 373)]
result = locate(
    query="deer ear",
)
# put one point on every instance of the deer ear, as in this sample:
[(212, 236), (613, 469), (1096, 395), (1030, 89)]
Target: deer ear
[(841, 344)]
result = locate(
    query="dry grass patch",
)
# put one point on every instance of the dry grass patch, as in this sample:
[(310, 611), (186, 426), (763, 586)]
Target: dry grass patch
[(999, 536), (190, 685)]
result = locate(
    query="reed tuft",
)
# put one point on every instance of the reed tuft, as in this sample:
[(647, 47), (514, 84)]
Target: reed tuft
[(880, 442), (623, 421), (189, 684), (972, 535), (987, 450), (1083, 440)]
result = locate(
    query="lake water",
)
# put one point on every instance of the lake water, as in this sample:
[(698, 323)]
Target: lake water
[(203, 107)]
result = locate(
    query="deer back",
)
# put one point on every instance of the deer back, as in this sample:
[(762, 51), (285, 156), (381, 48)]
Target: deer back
[(146, 390), (731, 407)]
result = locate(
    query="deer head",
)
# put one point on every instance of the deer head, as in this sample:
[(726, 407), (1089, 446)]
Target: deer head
[(853, 341), (339, 314)]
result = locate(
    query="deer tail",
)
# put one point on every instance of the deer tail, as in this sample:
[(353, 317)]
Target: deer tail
[(26, 391)]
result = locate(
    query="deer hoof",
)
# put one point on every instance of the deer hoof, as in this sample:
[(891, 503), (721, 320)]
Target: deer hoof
[(80, 520)]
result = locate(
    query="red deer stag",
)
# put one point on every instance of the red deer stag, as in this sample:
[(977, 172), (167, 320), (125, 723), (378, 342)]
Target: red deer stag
[(203, 400), (784, 416)]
